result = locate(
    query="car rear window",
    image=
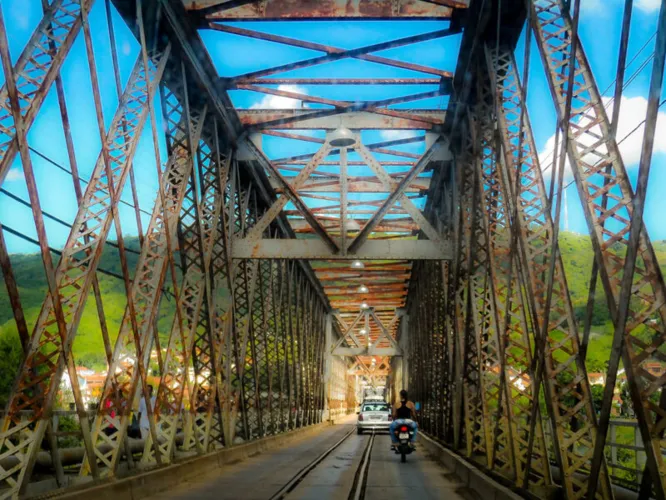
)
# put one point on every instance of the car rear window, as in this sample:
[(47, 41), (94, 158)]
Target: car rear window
[(375, 407)]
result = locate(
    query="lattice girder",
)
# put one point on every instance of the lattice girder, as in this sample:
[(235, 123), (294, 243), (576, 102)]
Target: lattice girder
[(36, 69), (510, 308), (39, 376), (564, 369), (599, 170), (198, 230)]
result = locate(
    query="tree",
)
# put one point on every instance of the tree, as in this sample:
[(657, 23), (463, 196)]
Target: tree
[(11, 354), (597, 396)]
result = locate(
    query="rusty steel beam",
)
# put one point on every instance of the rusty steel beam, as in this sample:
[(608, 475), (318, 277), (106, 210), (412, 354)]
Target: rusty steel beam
[(292, 194), (377, 107), (317, 250), (335, 53), (295, 119), (294, 10), (355, 185), (374, 107), (397, 193), (37, 67), (336, 81)]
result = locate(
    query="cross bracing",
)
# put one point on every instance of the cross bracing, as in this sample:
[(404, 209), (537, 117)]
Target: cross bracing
[(392, 225)]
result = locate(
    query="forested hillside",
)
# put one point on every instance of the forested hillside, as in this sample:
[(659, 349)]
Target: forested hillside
[(89, 345)]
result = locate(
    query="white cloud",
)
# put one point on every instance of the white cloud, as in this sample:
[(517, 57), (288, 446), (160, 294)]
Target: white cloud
[(280, 102), (14, 174), (394, 135), (591, 5), (648, 5), (632, 113)]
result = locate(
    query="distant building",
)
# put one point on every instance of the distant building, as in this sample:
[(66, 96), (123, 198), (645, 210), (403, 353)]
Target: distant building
[(655, 368)]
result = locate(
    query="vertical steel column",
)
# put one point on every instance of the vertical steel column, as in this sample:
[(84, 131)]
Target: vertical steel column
[(257, 357), (466, 381), (292, 339), (213, 170), (328, 366), (122, 379), (493, 341), (448, 354), (278, 283), (405, 345), (477, 433), (244, 276), (510, 308), (565, 377), (198, 231)]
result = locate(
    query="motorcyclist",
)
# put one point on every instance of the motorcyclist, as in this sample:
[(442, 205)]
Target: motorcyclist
[(403, 414)]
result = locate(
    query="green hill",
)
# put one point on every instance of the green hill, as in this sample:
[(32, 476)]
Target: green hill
[(88, 346), (577, 255)]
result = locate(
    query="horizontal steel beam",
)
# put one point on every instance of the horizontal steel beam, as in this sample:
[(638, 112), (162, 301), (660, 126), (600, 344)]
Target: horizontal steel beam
[(340, 81), (295, 10), (365, 351), (332, 185), (317, 250), (352, 120)]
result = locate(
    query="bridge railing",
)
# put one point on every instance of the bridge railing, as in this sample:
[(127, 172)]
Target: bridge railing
[(625, 452)]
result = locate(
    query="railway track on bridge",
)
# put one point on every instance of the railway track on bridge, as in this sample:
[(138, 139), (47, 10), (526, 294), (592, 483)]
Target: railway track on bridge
[(357, 491)]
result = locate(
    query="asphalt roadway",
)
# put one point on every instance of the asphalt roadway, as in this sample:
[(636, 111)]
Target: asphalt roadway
[(349, 471)]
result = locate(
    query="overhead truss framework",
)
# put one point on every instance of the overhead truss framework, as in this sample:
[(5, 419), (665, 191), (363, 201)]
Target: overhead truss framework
[(426, 257)]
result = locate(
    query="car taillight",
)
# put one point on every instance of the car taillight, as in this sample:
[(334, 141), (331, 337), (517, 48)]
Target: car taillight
[(360, 417), (404, 428), (390, 418)]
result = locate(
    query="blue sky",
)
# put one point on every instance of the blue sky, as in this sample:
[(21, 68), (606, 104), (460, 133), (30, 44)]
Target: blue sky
[(233, 55)]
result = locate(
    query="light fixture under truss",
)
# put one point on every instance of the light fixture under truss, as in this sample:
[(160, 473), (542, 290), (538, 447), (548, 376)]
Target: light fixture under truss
[(363, 289), (357, 264), (341, 138), (352, 225)]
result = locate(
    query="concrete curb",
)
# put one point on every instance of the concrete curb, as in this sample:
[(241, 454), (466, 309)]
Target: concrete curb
[(150, 482), (469, 475)]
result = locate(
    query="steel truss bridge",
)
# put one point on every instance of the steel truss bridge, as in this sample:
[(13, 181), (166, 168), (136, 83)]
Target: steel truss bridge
[(288, 288)]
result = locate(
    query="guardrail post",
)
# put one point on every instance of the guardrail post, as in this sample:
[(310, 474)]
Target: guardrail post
[(641, 456), (328, 362), (404, 346), (613, 442)]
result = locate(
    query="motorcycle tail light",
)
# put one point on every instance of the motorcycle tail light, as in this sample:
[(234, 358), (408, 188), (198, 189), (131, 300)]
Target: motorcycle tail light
[(404, 428)]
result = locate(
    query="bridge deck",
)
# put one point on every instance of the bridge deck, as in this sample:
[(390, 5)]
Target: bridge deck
[(262, 476)]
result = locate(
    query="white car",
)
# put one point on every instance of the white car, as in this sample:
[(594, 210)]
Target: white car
[(375, 416)]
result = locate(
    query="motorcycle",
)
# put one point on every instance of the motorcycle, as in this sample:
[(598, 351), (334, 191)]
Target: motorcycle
[(404, 433)]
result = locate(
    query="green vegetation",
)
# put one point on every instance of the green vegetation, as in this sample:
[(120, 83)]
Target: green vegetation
[(577, 255), (89, 345)]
